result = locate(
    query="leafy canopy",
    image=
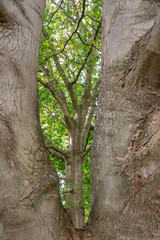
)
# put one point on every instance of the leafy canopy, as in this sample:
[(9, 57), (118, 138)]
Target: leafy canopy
[(70, 47)]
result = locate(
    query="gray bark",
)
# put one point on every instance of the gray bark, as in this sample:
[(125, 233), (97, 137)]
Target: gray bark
[(126, 154), (30, 206), (74, 195)]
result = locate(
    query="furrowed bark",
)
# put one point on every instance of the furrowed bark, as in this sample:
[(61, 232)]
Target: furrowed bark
[(30, 206), (126, 155)]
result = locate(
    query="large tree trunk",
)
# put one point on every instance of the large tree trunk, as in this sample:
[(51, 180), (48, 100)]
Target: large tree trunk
[(126, 154), (126, 149), (30, 206)]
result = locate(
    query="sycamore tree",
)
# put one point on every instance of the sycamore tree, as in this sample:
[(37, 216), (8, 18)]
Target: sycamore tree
[(68, 76)]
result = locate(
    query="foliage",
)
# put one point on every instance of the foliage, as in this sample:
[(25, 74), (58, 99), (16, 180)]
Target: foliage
[(68, 76)]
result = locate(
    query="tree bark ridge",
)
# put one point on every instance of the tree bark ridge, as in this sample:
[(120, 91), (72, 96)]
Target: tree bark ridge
[(125, 157)]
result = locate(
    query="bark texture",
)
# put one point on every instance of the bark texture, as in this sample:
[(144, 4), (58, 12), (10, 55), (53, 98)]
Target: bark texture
[(126, 153), (30, 206)]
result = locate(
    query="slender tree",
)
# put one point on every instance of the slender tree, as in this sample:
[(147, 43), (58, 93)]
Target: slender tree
[(69, 70)]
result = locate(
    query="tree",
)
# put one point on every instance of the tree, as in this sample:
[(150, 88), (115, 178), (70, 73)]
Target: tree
[(69, 73), (125, 156), (29, 184)]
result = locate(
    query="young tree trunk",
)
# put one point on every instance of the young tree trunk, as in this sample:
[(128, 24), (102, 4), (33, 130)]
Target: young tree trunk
[(74, 179), (126, 152), (74, 195)]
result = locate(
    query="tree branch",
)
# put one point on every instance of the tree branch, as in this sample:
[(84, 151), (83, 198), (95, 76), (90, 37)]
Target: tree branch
[(42, 82), (86, 97), (70, 18), (78, 23), (55, 12), (63, 75), (87, 151), (75, 31), (75, 7), (91, 18), (88, 54), (91, 113), (86, 44), (57, 152), (58, 95), (68, 191), (54, 116)]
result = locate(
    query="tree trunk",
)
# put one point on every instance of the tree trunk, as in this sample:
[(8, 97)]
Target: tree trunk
[(126, 153), (125, 157), (74, 179), (30, 206), (74, 196)]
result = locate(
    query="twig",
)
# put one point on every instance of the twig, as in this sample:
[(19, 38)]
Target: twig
[(54, 13), (87, 56)]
